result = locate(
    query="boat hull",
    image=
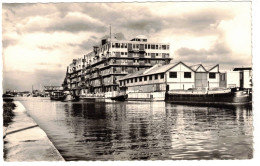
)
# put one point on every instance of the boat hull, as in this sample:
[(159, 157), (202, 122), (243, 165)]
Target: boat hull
[(119, 98), (237, 98), (69, 97)]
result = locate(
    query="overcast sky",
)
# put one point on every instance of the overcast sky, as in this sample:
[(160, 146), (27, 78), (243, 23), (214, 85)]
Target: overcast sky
[(40, 40)]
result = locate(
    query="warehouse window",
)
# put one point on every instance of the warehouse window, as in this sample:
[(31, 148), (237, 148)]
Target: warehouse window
[(187, 74), (156, 76), (150, 77), (162, 76), (212, 75), (164, 47), (173, 74)]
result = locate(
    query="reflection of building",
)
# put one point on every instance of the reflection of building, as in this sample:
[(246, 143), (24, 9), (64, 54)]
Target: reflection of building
[(98, 72)]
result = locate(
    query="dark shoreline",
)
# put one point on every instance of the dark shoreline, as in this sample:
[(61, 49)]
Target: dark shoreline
[(8, 114)]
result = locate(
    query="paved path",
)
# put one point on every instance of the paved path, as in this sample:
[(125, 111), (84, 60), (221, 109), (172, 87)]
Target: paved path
[(26, 141)]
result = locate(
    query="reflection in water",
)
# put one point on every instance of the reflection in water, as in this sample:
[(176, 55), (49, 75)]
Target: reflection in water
[(144, 130)]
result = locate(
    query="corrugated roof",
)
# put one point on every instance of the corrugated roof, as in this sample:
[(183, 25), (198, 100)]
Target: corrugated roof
[(160, 69), (208, 68), (153, 70), (136, 74), (194, 67)]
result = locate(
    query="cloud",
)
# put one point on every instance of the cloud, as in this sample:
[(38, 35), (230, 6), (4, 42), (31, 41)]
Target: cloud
[(219, 53), (45, 37), (25, 80), (75, 22), (88, 44), (9, 42)]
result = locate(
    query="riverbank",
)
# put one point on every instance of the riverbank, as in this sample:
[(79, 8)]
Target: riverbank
[(8, 107), (25, 141)]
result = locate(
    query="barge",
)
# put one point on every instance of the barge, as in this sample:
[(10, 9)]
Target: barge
[(210, 97)]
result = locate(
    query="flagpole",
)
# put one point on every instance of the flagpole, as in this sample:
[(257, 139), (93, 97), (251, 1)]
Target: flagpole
[(110, 31)]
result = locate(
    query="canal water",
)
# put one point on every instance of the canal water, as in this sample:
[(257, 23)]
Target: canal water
[(110, 130)]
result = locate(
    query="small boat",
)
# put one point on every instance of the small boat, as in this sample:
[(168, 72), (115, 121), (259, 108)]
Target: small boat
[(8, 95), (119, 97), (70, 97), (58, 95), (63, 96)]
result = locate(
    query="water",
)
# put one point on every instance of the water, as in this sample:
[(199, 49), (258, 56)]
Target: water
[(143, 130)]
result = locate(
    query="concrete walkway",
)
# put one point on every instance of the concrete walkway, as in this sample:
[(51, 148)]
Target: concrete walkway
[(26, 141)]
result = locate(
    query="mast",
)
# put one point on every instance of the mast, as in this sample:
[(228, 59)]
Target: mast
[(110, 31)]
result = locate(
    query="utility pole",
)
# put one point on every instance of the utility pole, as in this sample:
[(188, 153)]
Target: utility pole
[(110, 31)]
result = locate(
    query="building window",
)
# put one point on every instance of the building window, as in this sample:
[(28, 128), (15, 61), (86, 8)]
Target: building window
[(156, 54), (149, 46), (173, 74), (156, 47), (120, 83), (117, 45), (135, 79), (152, 46), (145, 46), (164, 47), (162, 76), (127, 81), (212, 75), (150, 77), (131, 80), (187, 74), (145, 78), (156, 76), (140, 79)]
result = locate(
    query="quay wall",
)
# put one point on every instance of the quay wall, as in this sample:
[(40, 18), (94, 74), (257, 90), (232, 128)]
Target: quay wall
[(24, 140), (147, 96)]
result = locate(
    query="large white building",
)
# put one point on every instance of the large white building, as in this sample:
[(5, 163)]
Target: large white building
[(97, 73), (239, 78), (174, 76)]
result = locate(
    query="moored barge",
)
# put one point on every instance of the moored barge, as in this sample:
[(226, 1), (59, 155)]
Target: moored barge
[(210, 97)]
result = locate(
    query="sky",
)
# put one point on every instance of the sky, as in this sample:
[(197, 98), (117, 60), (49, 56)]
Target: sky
[(39, 40)]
